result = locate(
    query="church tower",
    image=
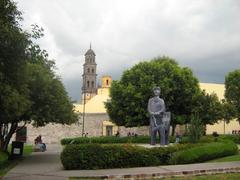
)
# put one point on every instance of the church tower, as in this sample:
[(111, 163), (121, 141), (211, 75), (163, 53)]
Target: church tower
[(89, 86)]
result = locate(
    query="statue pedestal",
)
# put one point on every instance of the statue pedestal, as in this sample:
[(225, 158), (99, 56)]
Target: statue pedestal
[(154, 146)]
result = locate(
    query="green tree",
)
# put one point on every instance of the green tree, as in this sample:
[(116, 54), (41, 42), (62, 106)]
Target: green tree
[(208, 107), (195, 129), (228, 112), (129, 95), (29, 89), (232, 92)]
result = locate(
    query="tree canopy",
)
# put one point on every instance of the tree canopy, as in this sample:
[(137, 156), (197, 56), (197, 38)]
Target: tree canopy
[(30, 91), (208, 108), (232, 91), (129, 96)]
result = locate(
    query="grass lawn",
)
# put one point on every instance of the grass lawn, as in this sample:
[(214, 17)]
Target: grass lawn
[(232, 176), (26, 151), (227, 158)]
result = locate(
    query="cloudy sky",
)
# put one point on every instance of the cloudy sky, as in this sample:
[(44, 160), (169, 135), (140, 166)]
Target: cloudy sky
[(202, 34)]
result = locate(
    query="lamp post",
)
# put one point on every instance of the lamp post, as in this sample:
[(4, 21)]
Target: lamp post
[(84, 102)]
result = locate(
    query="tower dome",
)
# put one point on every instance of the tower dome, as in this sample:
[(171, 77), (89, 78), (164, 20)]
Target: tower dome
[(90, 52)]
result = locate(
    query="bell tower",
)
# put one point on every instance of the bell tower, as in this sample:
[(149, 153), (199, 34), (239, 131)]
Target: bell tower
[(89, 85)]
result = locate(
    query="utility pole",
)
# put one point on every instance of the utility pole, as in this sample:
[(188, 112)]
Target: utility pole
[(84, 102)]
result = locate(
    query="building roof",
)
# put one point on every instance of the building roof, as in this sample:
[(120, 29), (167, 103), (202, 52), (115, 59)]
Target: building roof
[(90, 52)]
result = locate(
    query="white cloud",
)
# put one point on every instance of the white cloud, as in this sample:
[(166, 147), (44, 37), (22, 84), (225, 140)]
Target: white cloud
[(200, 34)]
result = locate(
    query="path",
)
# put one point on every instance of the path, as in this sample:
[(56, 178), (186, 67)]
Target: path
[(38, 166), (47, 166)]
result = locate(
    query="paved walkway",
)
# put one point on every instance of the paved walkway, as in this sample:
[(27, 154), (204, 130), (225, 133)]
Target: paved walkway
[(47, 166)]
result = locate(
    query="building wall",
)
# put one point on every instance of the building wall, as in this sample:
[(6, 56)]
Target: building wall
[(53, 133), (95, 125), (219, 127)]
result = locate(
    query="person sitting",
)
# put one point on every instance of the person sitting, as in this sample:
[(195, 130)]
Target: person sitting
[(39, 145)]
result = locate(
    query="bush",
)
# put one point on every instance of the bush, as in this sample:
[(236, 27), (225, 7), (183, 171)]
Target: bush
[(211, 138), (3, 159), (234, 138), (203, 153), (195, 129), (102, 156), (109, 140), (99, 156)]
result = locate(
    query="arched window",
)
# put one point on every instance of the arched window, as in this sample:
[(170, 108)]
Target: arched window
[(92, 70), (88, 70), (88, 84), (107, 82), (92, 84)]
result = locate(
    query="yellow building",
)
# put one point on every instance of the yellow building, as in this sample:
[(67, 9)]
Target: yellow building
[(220, 127), (96, 105)]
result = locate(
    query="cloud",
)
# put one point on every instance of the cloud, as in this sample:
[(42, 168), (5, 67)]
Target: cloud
[(203, 35)]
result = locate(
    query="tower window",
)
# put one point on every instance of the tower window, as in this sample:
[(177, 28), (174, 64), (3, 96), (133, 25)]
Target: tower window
[(107, 82), (88, 70), (92, 84), (92, 70), (88, 84)]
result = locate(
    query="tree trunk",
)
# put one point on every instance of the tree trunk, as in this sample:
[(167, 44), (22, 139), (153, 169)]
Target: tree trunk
[(5, 138), (173, 129)]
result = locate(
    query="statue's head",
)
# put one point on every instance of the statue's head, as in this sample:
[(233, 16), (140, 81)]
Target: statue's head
[(156, 91)]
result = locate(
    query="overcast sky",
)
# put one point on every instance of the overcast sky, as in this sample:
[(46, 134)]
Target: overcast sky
[(201, 34)]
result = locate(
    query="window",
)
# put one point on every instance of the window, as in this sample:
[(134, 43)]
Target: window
[(92, 84), (92, 70), (88, 84), (107, 82), (88, 70)]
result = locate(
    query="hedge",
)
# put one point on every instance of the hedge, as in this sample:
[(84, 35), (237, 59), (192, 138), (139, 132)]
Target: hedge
[(204, 153), (210, 138), (3, 159), (102, 156), (109, 140)]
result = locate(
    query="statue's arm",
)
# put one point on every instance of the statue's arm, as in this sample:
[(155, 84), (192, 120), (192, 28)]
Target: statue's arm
[(149, 108)]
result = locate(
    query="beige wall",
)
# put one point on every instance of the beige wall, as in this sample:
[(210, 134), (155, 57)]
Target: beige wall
[(219, 127)]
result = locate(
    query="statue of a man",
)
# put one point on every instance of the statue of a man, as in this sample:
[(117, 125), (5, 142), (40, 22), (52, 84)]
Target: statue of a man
[(156, 109)]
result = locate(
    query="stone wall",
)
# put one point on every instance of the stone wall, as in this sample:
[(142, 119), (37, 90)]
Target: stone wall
[(53, 133)]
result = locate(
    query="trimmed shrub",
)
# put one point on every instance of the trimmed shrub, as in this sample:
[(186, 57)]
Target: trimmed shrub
[(99, 156), (234, 138), (102, 156), (3, 158), (144, 139), (210, 138), (204, 153), (109, 140)]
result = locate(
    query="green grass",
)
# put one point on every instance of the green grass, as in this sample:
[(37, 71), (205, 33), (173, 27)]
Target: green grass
[(231, 176), (227, 158), (10, 164)]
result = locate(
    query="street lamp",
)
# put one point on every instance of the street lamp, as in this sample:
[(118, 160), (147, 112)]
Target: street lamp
[(84, 102)]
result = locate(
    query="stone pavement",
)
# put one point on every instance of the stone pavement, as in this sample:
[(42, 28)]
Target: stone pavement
[(47, 166), (38, 165)]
